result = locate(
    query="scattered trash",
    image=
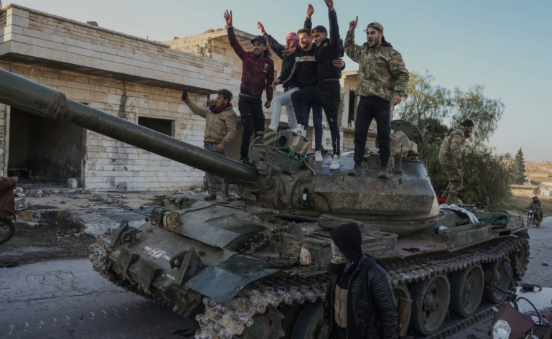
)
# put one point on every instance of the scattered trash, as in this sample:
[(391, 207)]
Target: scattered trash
[(530, 287), (441, 228), (544, 263)]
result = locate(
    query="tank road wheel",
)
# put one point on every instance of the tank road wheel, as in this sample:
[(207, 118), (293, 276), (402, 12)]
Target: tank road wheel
[(430, 303), (266, 326), (311, 323), (495, 274), (400, 291), (467, 291), (290, 312)]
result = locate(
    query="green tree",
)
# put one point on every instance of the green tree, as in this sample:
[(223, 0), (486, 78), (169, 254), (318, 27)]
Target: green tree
[(431, 108), (519, 168), (427, 106)]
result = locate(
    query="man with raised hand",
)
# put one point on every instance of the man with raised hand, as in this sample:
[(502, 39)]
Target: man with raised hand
[(257, 76), (327, 92), (382, 83), (220, 129), (290, 85)]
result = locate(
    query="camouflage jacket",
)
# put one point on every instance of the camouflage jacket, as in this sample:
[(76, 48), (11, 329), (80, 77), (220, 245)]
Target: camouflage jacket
[(536, 206), (219, 127), (382, 71), (451, 149)]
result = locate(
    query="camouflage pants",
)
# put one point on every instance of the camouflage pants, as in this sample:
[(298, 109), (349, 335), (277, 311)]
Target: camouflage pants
[(455, 184), (211, 179)]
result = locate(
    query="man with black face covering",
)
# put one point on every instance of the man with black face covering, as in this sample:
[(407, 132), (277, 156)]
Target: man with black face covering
[(359, 302)]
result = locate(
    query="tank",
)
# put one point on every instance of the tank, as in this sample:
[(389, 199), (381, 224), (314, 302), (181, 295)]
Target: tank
[(256, 268)]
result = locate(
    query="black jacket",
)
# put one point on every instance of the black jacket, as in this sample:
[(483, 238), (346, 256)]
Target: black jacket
[(303, 67), (328, 51), (287, 61), (371, 309)]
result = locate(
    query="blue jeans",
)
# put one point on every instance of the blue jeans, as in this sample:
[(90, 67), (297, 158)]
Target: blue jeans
[(211, 181), (317, 121)]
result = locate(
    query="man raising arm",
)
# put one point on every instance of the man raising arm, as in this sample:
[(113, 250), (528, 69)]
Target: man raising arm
[(257, 76), (383, 79)]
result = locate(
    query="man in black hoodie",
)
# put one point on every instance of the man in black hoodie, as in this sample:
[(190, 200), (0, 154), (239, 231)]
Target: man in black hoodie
[(360, 289), (328, 90)]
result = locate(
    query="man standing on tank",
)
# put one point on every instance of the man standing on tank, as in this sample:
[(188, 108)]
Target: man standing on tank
[(220, 129), (451, 160), (328, 90), (257, 76), (359, 301), (290, 86), (383, 80)]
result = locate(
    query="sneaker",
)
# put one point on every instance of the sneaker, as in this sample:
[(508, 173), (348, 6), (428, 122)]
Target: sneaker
[(355, 172), (335, 162), (318, 156), (383, 174), (210, 197), (300, 130)]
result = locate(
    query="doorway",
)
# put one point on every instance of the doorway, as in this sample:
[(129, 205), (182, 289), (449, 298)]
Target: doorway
[(44, 149)]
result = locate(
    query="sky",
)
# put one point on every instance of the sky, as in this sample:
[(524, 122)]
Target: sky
[(504, 45)]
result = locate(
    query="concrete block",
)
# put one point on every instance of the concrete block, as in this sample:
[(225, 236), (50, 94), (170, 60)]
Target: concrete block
[(72, 183)]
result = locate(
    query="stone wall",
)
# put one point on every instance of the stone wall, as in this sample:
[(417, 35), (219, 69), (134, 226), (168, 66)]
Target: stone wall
[(48, 40), (110, 163)]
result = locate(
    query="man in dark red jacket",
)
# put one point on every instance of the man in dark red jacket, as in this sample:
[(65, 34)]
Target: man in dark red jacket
[(257, 76)]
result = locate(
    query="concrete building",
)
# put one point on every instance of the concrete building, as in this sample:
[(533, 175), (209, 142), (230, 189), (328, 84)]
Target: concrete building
[(133, 78), (526, 190)]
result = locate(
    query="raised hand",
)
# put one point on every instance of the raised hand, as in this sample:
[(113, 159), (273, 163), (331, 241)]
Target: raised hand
[(228, 17), (353, 25), (261, 27), (310, 11), (330, 5)]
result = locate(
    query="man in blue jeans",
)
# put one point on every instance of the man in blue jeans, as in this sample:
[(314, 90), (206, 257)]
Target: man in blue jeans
[(304, 68), (220, 129)]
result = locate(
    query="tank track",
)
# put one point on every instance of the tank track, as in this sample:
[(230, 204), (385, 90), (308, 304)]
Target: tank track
[(230, 321), (100, 263)]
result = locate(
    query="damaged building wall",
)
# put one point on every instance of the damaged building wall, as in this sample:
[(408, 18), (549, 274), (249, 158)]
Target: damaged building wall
[(117, 73), (110, 164)]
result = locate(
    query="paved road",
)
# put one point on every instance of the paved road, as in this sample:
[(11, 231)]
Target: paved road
[(67, 299)]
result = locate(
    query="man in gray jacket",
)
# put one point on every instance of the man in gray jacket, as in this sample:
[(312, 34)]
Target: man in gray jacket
[(220, 129)]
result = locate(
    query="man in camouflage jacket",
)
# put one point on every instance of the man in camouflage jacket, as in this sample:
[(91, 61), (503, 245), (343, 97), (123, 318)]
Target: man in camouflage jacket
[(450, 159), (383, 79), (536, 206)]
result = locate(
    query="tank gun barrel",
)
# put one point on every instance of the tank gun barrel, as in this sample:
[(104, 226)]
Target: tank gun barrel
[(48, 103)]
